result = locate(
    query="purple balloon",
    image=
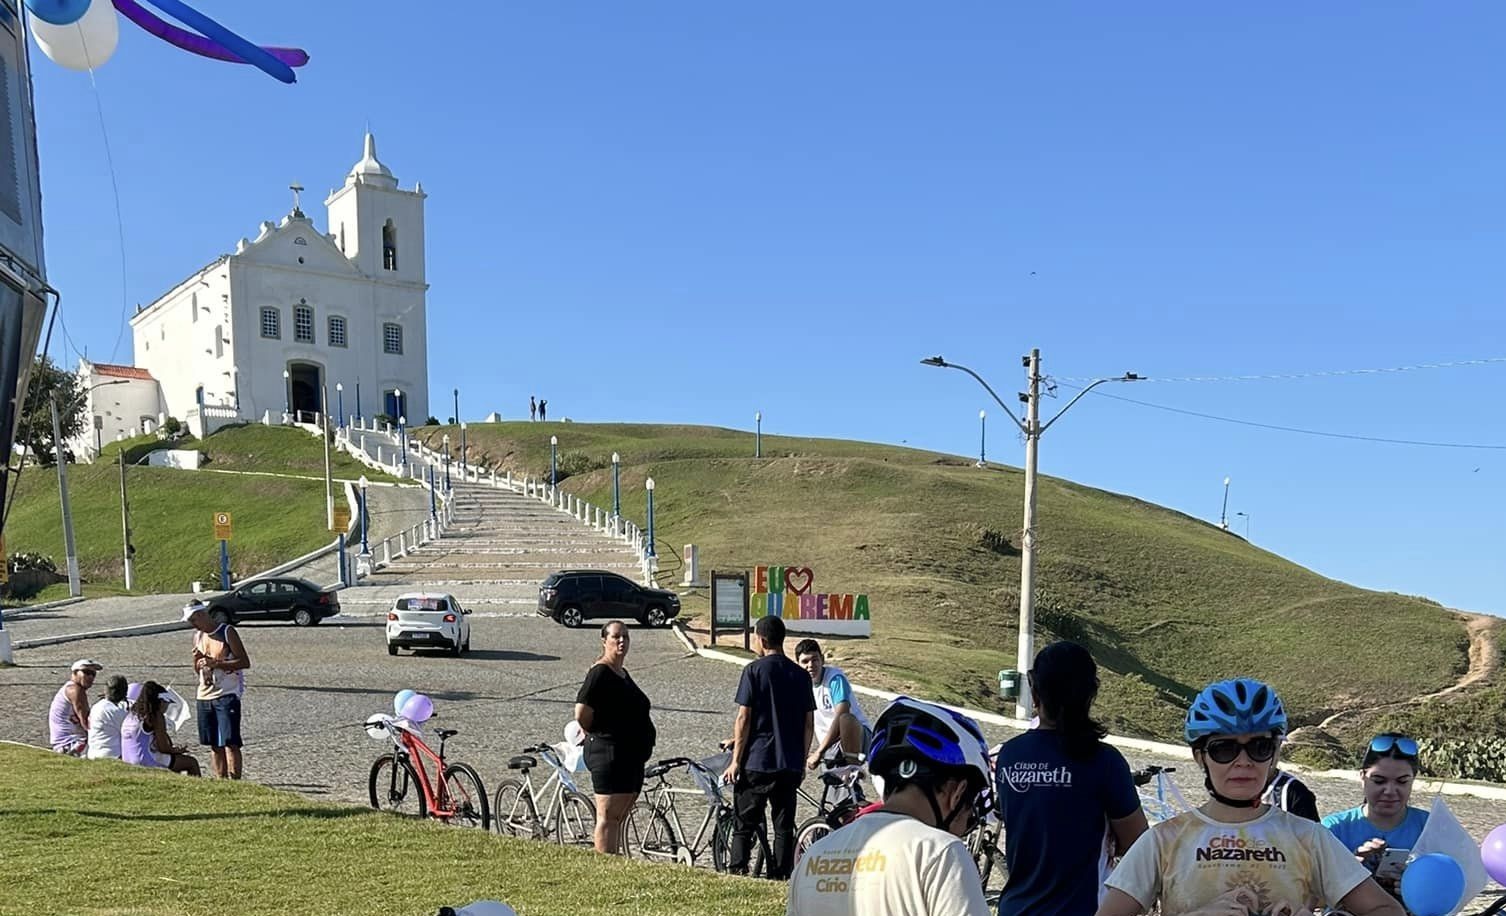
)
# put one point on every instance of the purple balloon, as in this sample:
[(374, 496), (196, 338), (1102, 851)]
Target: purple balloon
[(195, 43), (133, 691), (418, 709), (1493, 854)]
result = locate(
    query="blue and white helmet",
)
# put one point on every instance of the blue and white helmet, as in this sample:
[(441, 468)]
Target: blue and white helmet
[(933, 737), (1241, 706)]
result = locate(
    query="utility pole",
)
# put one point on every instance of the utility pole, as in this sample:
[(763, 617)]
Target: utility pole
[(329, 491), (1026, 656), (125, 527), (1223, 515), (75, 587)]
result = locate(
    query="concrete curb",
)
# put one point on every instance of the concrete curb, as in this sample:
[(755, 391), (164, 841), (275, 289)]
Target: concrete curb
[(1177, 751), (19, 612), (144, 629)]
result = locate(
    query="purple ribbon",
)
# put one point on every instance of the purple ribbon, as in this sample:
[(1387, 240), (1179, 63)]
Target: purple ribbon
[(205, 47)]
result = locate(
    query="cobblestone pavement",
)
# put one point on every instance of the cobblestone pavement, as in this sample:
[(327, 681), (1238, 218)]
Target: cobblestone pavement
[(92, 615)]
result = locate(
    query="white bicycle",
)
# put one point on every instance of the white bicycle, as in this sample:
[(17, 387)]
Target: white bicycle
[(570, 818)]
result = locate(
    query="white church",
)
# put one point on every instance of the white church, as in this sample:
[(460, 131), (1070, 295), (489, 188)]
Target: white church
[(293, 316)]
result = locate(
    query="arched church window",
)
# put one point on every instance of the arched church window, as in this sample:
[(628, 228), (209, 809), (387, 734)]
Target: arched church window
[(389, 246)]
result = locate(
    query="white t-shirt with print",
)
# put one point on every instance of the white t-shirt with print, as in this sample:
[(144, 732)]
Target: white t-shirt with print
[(833, 689), (1191, 860), (885, 864)]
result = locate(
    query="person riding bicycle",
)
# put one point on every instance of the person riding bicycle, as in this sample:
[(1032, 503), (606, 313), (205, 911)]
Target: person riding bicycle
[(1235, 855), (907, 858)]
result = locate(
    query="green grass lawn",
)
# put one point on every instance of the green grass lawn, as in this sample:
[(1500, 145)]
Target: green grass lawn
[(276, 519), (99, 837), (1165, 601)]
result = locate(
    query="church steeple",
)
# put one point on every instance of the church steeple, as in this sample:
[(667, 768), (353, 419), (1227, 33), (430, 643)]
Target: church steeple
[(370, 170)]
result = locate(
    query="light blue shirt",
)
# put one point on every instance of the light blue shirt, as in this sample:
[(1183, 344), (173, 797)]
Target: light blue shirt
[(1354, 831)]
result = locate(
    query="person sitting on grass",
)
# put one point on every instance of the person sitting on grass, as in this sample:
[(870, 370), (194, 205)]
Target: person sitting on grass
[(143, 735), (105, 718)]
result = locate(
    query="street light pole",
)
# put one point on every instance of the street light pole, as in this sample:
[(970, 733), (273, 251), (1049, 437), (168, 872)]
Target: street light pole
[(616, 490), (340, 400), (329, 487), (447, 485), (462, 450), (758, 434), (75, 586), (1032, 427), (365, 523), (287, 394), (982, 438), (1247, 523), (457, 405), (1223, 515), (554, 445), (649, 485), (125, 528), (358, 399)]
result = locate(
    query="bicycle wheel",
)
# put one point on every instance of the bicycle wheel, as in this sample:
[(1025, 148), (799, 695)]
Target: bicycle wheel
[(576, 824), (394, 787), (466, 796), (721, 845), (655, 840), (982, 843), (513, 813), (808, 834)]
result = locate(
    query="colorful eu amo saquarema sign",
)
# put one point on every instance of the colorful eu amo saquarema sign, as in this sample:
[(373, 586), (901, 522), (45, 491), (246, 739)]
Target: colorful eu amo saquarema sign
[(789, 592)]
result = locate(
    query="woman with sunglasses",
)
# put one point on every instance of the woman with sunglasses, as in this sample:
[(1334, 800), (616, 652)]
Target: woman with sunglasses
[(1385, 820), (1235, 855)]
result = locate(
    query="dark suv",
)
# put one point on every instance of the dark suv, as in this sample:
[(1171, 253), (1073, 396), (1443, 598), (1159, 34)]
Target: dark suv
[(573, 596)]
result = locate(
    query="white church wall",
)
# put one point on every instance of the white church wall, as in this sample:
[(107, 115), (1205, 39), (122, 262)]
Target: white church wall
[(121, 406)]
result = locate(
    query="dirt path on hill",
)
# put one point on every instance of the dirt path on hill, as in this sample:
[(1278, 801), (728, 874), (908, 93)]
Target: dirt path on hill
[(1484, 658)]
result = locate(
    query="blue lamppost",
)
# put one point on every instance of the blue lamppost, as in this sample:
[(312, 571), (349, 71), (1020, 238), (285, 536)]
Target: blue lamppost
[(365, 522), (462, 449), (447, 485), (402, 441), (340, 400), (457, 405), (649, 484), (287, 392), (358, 399), (433, 502), (554, 448), (983, 438), (758, 434), (616, 487)]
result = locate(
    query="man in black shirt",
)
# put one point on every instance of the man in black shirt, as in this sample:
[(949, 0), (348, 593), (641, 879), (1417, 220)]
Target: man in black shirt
[(775, 724)]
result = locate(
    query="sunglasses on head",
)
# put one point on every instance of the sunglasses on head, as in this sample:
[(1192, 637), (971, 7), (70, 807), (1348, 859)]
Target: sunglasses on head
[(1382, 745), (1226, 750)]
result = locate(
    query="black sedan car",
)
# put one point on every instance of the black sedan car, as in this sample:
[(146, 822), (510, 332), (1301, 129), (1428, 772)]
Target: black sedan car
[(298, 600)]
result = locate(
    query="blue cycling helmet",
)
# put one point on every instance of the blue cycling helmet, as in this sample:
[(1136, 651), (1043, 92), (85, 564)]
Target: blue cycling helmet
[(933, 737), (1240, 706)]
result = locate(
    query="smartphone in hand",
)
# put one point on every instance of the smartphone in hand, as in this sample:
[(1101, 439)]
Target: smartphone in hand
[(1392, 863)]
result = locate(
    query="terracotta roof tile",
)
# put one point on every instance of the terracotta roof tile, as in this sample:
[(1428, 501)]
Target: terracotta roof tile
[(131, 372)]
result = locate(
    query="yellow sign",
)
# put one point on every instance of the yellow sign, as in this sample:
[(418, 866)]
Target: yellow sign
[(222, 526), (342, 519)]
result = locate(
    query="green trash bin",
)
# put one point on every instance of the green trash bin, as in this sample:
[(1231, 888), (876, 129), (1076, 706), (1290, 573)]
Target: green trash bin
[(1009, 684)]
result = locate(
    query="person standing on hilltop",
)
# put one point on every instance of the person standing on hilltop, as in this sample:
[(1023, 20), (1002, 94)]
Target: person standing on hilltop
[(533, 408), (543, 411), (1067, 799)]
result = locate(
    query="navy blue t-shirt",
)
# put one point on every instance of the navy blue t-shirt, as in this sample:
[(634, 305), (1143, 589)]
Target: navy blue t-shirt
[(778, 694), (1056, 812)]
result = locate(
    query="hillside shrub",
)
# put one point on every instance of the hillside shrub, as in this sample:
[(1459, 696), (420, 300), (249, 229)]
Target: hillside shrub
[(32, 560)]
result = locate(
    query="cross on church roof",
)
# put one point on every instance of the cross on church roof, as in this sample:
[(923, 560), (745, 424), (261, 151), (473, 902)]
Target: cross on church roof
[(297, 189)]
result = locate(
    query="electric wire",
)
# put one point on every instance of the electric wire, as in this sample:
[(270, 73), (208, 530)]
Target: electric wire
[(1324, 373), (1297, 429)]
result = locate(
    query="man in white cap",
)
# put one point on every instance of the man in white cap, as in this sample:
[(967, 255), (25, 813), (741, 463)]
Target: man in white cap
[(220, 658), (68, 717)]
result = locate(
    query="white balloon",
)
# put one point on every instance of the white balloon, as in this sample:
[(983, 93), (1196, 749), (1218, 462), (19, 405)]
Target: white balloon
[(82, 45), (574, 734)]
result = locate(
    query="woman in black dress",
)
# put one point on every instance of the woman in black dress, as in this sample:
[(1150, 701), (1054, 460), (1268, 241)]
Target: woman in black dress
[(619, 735)]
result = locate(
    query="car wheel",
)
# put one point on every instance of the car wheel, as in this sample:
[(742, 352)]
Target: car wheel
[(655, 617), (391, 649), (455, 649), (303, 618), (571, 617), (220, 616)]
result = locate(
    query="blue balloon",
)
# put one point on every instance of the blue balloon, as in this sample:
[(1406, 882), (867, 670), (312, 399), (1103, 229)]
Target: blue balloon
[(401, 700), (1432, 885), (59, 12)]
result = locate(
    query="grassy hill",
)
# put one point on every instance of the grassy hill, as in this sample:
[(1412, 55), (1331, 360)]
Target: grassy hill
[(66, 820), (1165, 601), (275, 518)]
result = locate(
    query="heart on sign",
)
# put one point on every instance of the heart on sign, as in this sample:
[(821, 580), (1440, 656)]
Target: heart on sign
[(801, 574)]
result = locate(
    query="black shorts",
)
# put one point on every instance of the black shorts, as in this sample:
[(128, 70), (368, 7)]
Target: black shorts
[(615, 770)]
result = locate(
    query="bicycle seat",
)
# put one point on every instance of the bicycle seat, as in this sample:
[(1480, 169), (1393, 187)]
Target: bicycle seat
[(524, 762), (444, 733)]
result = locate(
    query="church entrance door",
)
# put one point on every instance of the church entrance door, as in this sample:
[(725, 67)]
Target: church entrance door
[(304, 389)]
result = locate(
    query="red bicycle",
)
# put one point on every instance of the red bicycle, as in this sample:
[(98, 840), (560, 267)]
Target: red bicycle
[(400, 782)]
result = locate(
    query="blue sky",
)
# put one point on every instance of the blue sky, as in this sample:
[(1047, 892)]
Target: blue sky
[(785, 206)]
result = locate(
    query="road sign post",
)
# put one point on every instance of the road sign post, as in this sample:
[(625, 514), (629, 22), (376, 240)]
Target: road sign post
[(222, 534)]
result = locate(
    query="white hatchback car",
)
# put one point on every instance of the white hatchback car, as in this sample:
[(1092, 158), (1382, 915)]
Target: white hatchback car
[(428, 620)]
